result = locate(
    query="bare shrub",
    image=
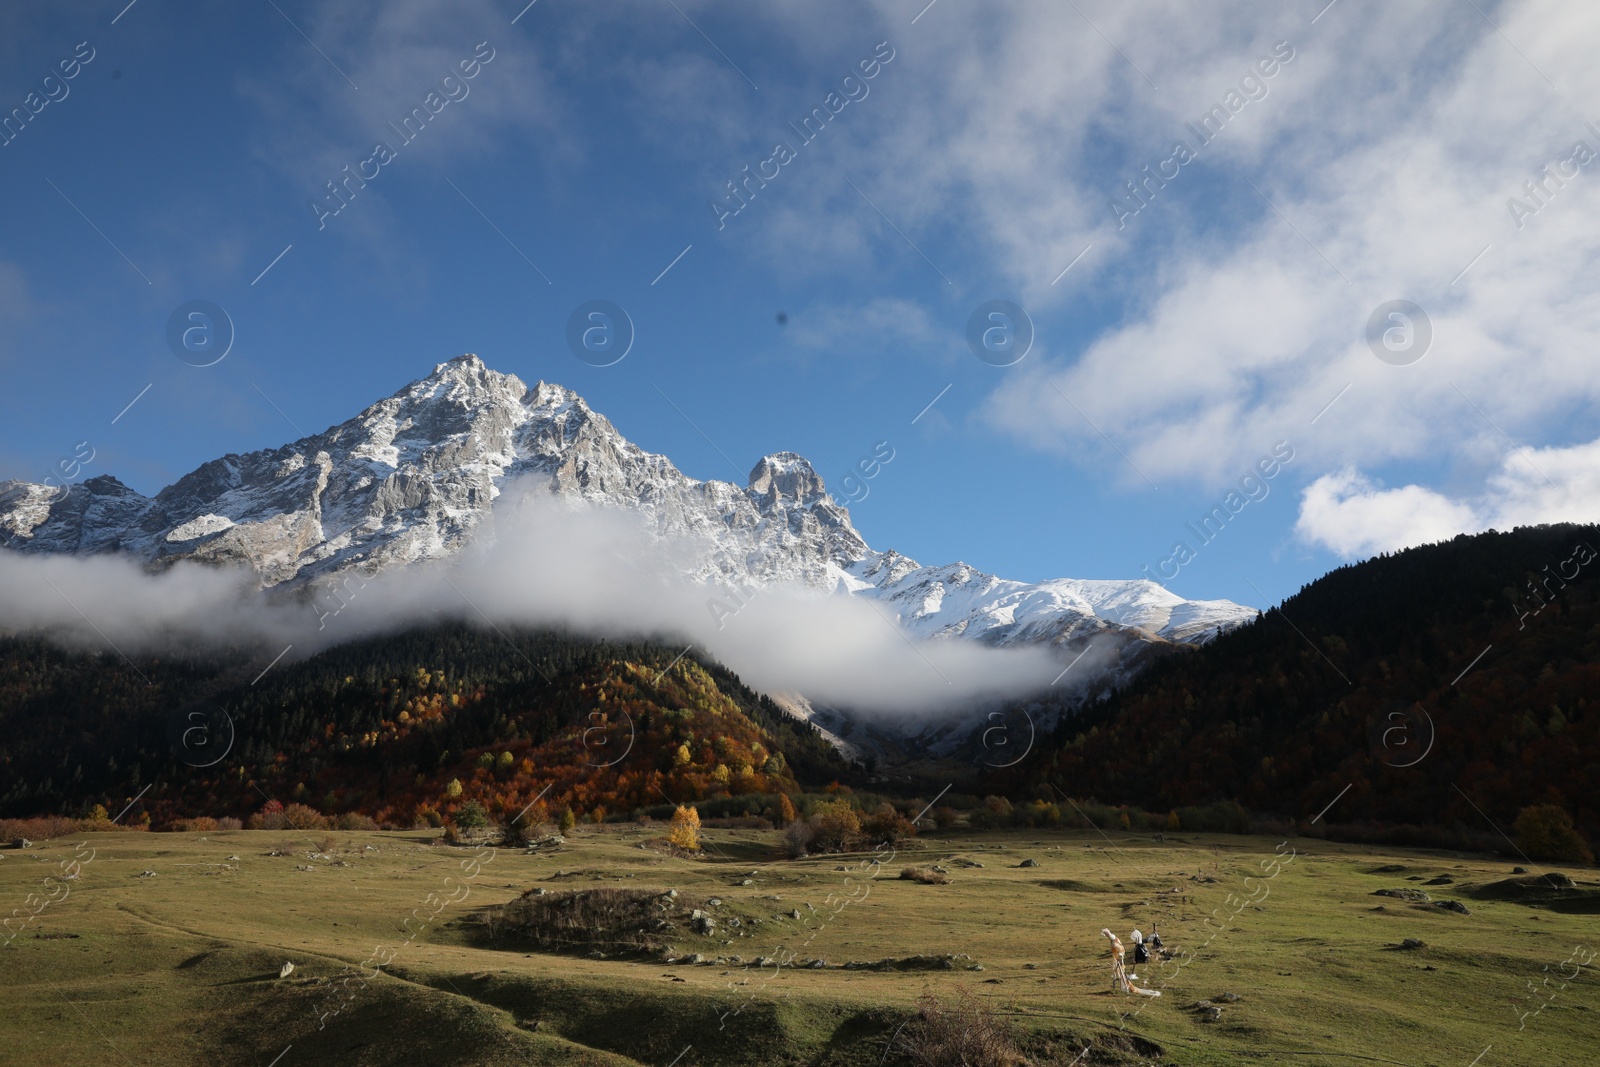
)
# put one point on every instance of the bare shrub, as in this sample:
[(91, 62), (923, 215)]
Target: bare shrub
[(961, 1032), (228, 822), (354, 820), (797, 838)]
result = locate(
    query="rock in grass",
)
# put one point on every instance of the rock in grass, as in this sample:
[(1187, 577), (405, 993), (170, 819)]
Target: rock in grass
[(1452, 905), (1229, 998), (286, 970), (1403, 894), (1443, 879), (1411, 943)]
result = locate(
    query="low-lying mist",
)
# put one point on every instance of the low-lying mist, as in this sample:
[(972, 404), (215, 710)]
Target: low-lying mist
[(558, 564)]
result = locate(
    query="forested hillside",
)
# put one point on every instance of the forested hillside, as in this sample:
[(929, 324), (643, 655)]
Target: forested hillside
[(417, 725), (1362, 679)]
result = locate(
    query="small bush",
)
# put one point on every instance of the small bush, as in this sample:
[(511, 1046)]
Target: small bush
[(303, 817), (887, 825), (925, 876), (40, 829), (270, 817), (228, 822), (958, 1033), (568, 821), (354, 820)]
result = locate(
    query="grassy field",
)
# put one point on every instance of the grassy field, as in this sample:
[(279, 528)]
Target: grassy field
[(181, 965)]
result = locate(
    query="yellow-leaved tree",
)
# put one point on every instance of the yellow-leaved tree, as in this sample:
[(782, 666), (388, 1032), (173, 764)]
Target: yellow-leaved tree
[(685, 832)]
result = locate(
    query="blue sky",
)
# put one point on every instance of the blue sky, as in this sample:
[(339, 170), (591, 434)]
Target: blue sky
[(1230, 312)]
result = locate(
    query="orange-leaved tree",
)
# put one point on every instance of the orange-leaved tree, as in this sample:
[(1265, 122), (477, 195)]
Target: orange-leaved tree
[(685, 832)]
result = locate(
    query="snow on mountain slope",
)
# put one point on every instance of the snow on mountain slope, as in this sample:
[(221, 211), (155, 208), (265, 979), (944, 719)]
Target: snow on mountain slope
[(420, 475)]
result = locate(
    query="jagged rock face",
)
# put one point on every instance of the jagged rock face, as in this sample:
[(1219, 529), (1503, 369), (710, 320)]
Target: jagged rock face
[(419, 475)]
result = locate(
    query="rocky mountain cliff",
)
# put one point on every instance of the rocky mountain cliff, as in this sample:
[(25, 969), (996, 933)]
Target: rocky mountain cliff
[(423, 473)]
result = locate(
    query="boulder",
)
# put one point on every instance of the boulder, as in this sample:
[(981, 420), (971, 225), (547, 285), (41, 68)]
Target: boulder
[(1403, 894), (1452, 905)]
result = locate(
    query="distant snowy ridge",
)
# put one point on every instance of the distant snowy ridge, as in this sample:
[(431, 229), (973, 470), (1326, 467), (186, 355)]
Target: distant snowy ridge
[(420, 475)]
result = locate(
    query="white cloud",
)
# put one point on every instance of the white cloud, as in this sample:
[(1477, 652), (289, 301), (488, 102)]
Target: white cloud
[(558, 565), (1387, 147), (1391, 172), (1355, 516)]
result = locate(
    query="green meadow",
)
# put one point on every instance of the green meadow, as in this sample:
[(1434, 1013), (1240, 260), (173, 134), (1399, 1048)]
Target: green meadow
[(393, 964)]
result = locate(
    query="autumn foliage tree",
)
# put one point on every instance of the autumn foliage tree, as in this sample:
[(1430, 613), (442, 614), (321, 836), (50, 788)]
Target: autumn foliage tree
[(1545, 832), (833, 824), (685, 831)]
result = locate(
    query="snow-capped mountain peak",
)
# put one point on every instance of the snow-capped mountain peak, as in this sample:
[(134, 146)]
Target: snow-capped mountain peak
[(420, 474)]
